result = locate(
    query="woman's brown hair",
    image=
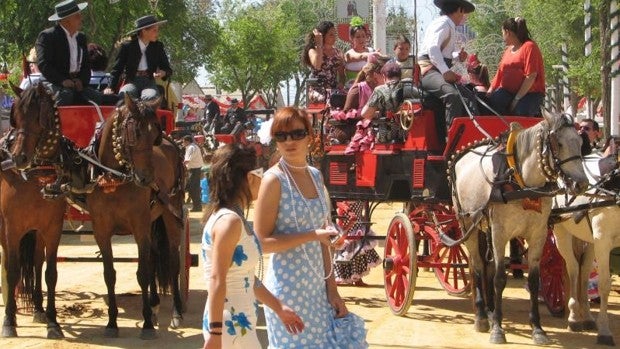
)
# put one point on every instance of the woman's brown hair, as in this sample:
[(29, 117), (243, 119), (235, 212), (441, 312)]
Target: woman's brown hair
[(284, 118)]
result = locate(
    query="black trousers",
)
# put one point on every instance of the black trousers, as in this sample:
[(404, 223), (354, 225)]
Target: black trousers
[(193, 187)]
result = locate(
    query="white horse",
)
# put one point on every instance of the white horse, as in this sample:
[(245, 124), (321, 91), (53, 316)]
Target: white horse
[(592, 235), (536, 157)]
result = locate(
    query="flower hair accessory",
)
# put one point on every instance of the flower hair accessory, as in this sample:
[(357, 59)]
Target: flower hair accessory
[(356, 21)]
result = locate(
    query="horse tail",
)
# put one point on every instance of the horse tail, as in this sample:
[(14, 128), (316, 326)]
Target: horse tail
[(160, 253), (27, 253)]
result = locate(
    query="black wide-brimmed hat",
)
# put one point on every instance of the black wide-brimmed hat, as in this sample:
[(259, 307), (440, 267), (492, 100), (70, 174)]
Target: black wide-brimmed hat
[(145, 22), (67, 8), (234, 100), (465, 5)]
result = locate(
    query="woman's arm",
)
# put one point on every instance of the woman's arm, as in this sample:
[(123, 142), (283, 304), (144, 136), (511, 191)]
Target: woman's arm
[(523, 90), (226, 233), (316, 57), (354, 56), (353, 96), (293, 323), (266, 214)]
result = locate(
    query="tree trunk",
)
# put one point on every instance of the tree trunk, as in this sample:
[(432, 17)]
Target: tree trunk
[(605, 35)]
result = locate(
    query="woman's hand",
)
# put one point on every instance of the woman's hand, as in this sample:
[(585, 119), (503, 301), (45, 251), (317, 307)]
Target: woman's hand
[(513, 104), (337, 303), (318, 37), (108, 91), (292, 322), (213, 342), (324, 236)]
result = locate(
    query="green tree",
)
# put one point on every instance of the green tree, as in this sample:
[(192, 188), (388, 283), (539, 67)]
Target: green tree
[(188, 35)]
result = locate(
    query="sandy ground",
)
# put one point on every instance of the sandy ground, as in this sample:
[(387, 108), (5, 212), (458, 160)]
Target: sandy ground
[(435, 319)]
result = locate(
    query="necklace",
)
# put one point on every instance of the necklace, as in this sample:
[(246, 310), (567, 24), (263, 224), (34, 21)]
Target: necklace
[(289, 180), (293, 166), (237, 209)]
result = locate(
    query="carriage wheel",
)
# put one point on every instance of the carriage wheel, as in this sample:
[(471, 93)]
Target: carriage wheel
[(406, 115), (399, 264), (185, 262), (554, 283), (449, 263)]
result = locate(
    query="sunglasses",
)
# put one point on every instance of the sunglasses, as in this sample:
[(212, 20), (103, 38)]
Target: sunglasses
[(295, 135)]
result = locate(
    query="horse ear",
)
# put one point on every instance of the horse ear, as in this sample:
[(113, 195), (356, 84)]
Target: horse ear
[(18, 91), (548, 116), (41, 89)]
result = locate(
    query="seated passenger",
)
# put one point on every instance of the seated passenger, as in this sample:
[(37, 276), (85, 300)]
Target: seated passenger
[(436, 54), (357, 96), (32, 75), (325, 60), (359, 53), (402, 49), (66, 72), (141, 60), (518, 87)]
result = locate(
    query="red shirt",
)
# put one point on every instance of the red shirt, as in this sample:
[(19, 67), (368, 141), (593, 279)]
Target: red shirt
[(515, 66)]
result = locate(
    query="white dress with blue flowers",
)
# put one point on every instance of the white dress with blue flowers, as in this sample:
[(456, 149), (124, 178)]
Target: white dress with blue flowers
[(240, 306)]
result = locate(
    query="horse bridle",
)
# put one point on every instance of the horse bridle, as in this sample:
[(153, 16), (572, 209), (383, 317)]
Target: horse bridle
[(124, 139), (552, 171)]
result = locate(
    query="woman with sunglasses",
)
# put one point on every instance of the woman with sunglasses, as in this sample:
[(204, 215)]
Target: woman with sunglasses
[(290, 219), (518, 87), (231, 252)]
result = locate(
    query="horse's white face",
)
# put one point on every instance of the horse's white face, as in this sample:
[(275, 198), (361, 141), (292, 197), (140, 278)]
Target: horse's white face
[(566, 145)]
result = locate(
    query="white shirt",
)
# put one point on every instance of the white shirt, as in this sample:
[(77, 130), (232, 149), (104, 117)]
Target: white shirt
[(142, 65), (193, 158), (440, 29), (74, 53)]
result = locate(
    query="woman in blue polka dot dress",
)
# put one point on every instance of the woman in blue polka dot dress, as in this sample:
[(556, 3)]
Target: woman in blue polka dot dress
[(230, 252), (290, 216)]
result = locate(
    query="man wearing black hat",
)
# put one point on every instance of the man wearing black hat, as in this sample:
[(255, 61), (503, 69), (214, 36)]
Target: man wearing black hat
[(141, 59), (234, 120), (62, 56), (212, 114), (438, 50)]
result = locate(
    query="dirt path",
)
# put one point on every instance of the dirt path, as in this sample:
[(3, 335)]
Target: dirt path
[(435, 320)]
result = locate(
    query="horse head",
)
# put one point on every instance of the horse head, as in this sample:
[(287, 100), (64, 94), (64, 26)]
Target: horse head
[(135, 130), (561, 153), (35, 122)]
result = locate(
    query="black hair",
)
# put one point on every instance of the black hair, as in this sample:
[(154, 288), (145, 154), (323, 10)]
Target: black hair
[(401, 39), (323, 28), (449, 8), (518, 26), (593, 122)]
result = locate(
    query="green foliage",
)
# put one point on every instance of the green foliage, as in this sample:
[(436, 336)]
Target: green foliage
[(188, 35)]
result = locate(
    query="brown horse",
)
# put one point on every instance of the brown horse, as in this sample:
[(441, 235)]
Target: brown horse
[(30, 226), (148, 192)]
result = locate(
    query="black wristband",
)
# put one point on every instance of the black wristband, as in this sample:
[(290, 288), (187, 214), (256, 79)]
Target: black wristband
[(215, 325), (215, 333)]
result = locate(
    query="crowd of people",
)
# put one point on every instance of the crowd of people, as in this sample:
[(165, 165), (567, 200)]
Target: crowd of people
[(292, 213)]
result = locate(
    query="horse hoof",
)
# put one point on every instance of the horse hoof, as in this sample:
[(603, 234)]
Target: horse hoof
[(54, 332), (39, 317), (575, 326), (605, 340), (482, 325), (589, 325), (540, 337), (498, 337), (148, 334), (176, 322), (154, 319), (110, 333), (9, 331)]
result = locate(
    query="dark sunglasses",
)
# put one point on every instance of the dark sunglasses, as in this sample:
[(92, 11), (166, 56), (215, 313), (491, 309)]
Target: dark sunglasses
[(585, 128), (295, 135)]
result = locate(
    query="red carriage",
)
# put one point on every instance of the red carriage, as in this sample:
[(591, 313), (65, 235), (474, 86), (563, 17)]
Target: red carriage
[(78, 123), (414, 172)]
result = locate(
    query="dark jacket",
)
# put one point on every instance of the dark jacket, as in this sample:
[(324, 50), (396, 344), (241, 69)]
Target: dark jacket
[(129, 56), (53, 56)]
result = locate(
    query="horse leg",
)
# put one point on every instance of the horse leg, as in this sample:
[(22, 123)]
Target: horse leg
[(534, 253), (154, 300), (38, 313), (604, 336), (498, 335), (174, 229), (564, 242), (586, 263), (109, 275), (10, 261), (481, 321), (54, 331), (145, 276)]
